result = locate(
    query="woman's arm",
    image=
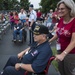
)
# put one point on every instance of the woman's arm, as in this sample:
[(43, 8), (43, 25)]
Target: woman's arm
[(53, 38), (71, 45), (68, 49)]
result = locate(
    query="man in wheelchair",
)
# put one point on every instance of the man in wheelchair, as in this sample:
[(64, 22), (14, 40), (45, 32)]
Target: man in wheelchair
[(33, 59), (18, 30)]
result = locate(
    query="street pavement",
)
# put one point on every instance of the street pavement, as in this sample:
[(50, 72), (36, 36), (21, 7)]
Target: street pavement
[(9, 48)]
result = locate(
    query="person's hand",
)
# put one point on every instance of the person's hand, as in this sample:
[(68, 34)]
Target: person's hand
[(14, 28), (17, 27), (17, 66), (60, 57), (55, 16), (21, 29), (20, 55), (29, 28)]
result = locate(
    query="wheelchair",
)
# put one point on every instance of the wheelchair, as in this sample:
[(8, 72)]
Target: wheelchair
[(45, 72), (24, 36)]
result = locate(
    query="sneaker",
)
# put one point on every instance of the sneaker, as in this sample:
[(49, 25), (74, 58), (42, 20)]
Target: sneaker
[(20, 40), (14, 40), (1, 72)]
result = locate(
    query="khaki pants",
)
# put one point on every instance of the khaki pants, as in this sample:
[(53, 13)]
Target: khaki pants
[(67, 66)]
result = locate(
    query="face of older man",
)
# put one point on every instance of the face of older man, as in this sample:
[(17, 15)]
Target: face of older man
[(40, 38)]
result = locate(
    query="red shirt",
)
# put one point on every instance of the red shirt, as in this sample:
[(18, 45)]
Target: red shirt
[(39, 14), (64, 32), (16, 19), (54, 19)]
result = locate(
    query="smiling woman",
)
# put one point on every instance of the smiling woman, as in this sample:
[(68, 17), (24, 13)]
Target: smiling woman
[(66, 37)]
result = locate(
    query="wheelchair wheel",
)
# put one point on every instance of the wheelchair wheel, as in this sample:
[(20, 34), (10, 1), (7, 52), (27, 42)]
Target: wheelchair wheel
[(24, 35)]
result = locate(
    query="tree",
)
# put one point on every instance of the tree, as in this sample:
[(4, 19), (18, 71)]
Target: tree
[(48, 4), (24, 4), (1, 4), (14, 4), (8, 4)]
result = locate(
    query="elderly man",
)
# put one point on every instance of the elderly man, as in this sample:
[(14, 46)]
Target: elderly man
[(33, 59)]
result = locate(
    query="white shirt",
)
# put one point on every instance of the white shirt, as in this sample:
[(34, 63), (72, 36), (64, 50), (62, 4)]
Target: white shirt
[(22, 16), (33, 16)]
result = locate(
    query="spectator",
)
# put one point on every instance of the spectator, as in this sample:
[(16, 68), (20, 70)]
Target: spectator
[(50, 16), (22, 16), (11, 17), (39, 14), (39, 19), (16, 18), (33, 59), (66, 37), (54, 19), (18, 29)]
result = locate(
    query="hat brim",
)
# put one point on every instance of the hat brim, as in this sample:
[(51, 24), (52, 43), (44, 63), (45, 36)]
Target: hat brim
[(36, 33)]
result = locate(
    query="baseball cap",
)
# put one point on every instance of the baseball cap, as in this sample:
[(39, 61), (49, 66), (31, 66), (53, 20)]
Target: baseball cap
[(41, 29), (31, 5)]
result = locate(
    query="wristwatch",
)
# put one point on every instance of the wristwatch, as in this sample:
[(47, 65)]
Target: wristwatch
[(20, 65)]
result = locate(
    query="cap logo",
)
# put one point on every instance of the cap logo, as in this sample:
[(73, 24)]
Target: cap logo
[(37, 28)]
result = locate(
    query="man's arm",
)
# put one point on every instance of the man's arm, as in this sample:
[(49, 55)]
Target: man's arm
[(31, 22), (20, 55), (26, 67)]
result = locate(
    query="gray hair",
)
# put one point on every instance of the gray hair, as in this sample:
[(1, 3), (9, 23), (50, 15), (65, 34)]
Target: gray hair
[(70, 4)]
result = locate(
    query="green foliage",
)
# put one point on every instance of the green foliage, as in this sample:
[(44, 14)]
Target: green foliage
[(55, 64), (13, 4), (8, 4), (48, 4), (24, 4)]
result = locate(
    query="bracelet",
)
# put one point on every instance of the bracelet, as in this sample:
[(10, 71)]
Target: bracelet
[(65, 52)]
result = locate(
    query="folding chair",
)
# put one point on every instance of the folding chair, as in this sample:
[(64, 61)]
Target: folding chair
[(45, 72)]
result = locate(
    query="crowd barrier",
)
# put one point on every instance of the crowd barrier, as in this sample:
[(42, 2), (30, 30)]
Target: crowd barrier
[(3, 28)]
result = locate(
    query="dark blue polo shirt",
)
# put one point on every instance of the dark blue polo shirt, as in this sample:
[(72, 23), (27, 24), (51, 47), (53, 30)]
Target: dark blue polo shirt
[(38, 56)]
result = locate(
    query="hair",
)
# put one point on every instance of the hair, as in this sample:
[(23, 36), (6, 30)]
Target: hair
[(11, 13), (70, 5), (16, 13)]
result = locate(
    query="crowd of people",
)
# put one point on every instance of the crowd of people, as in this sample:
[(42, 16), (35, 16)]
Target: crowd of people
[(43, 29)]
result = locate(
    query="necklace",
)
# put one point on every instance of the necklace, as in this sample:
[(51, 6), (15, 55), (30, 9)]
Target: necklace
[(68, 21)]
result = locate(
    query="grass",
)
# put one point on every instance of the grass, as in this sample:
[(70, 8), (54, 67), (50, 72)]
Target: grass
[(55, 64)]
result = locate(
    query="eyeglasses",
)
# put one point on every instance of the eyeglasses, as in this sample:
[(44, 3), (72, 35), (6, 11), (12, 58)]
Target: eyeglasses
[(61, 8)]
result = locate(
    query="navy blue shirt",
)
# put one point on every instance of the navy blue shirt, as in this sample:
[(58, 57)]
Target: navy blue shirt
[(20, 26), (38, 56)]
